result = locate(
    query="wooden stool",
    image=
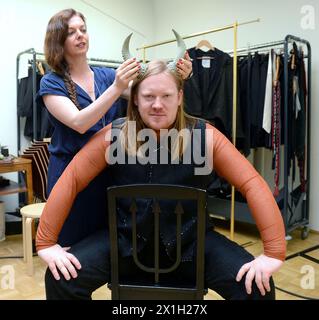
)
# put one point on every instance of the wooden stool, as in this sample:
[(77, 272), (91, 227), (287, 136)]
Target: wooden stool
[(29, 213)]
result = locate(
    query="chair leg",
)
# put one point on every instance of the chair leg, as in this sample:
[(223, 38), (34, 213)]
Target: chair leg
[(24, 240), (29, 252)]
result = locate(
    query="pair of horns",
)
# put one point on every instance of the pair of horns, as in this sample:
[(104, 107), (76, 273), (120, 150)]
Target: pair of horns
[(181, 48)]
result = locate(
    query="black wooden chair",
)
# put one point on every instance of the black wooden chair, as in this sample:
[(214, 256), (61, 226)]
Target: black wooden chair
[(155, 289)]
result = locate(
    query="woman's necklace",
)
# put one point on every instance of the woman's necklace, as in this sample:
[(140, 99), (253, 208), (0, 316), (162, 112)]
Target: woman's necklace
[(99, 94)]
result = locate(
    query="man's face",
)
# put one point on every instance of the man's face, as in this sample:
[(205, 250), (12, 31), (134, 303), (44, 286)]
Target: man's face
[(158, 100)]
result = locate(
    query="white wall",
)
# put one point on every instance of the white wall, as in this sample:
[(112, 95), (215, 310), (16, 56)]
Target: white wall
[(23, 25), (278, 18)]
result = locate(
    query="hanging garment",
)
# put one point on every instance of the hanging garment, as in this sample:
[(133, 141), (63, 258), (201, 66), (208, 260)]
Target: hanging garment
[(268, 96), (259, 137), (301, 139), (297, 94), (25, 108), (244, 96), (209, 92), (275, 133)]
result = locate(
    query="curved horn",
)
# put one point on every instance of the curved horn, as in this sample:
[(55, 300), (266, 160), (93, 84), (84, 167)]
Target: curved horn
[(126, 48), (181, 48), (127, 55), (180, 44)]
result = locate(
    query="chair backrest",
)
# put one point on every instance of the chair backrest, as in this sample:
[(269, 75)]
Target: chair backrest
[(39, 181), (38, 153), (156, 290)]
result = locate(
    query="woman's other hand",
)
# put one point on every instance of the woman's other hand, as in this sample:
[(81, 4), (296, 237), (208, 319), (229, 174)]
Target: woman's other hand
[(185, 67)]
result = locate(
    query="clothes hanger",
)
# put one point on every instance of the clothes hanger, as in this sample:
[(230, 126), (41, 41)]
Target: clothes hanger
[(278, 68), (207, 44), (204, 43), (40, 68)]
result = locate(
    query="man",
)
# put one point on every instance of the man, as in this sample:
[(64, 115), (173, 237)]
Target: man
[(156, 105)]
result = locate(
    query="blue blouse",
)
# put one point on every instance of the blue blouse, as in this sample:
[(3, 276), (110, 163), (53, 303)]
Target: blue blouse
[(89, 208), (64, 140)]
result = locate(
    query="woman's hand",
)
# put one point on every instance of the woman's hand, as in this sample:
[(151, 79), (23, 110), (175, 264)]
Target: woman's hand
[(57, 257), (260, 269), (126, 72), (185, 67)]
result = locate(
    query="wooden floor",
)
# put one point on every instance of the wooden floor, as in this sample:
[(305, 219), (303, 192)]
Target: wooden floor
[(290, 276)]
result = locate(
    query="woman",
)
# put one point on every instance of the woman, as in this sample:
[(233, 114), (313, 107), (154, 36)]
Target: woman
[(156, 103), (81, 100)]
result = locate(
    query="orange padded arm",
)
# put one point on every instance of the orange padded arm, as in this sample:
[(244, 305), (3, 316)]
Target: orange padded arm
[(230, 164)]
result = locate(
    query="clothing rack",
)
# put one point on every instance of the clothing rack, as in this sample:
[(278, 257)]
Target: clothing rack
[(258, 46), (233, 26), (273, 45), (39, 57), (304, 221), (302, 209), (283, 44)]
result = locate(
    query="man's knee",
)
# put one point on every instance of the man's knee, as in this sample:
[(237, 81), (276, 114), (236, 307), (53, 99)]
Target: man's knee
[(93, 254), (74, 289), (54, 289), (256, 294)]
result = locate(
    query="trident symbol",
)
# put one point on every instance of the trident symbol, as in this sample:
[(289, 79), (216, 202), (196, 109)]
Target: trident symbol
[(156, 211)]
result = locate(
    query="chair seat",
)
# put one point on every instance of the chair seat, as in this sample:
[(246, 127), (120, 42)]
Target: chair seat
[(29, 213), (33, 210), (144, 283)]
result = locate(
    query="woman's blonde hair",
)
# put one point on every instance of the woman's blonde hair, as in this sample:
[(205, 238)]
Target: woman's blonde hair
[(182, 121)]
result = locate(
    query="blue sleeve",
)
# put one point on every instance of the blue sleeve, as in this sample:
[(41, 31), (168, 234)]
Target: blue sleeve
[(52, 84), (109, 75)]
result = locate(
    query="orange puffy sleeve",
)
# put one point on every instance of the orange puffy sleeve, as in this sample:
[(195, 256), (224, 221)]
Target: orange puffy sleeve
[(84, 167), (230, 164)]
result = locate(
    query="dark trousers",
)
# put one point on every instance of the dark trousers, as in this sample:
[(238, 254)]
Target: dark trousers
[(223, 259)]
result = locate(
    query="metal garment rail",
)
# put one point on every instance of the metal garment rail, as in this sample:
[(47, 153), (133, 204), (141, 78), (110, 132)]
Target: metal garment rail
[(233, 26), (289, 39), (38, 56), (258, 46), (285, 45)]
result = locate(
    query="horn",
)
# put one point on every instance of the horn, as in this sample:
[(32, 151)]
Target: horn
[(181, 48), (127, 55), (126, 48)]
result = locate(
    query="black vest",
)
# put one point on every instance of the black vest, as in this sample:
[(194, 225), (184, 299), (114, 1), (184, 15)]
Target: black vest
[(179, 174)]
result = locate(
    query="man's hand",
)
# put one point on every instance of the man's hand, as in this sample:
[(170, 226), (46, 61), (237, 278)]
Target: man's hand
[(57, 257), (260, 269)]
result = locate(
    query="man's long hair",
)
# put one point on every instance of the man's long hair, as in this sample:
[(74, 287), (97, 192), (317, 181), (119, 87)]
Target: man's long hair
[(182, 121)]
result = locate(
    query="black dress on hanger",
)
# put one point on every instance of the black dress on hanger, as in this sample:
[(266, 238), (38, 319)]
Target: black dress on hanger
[(209, 92)]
